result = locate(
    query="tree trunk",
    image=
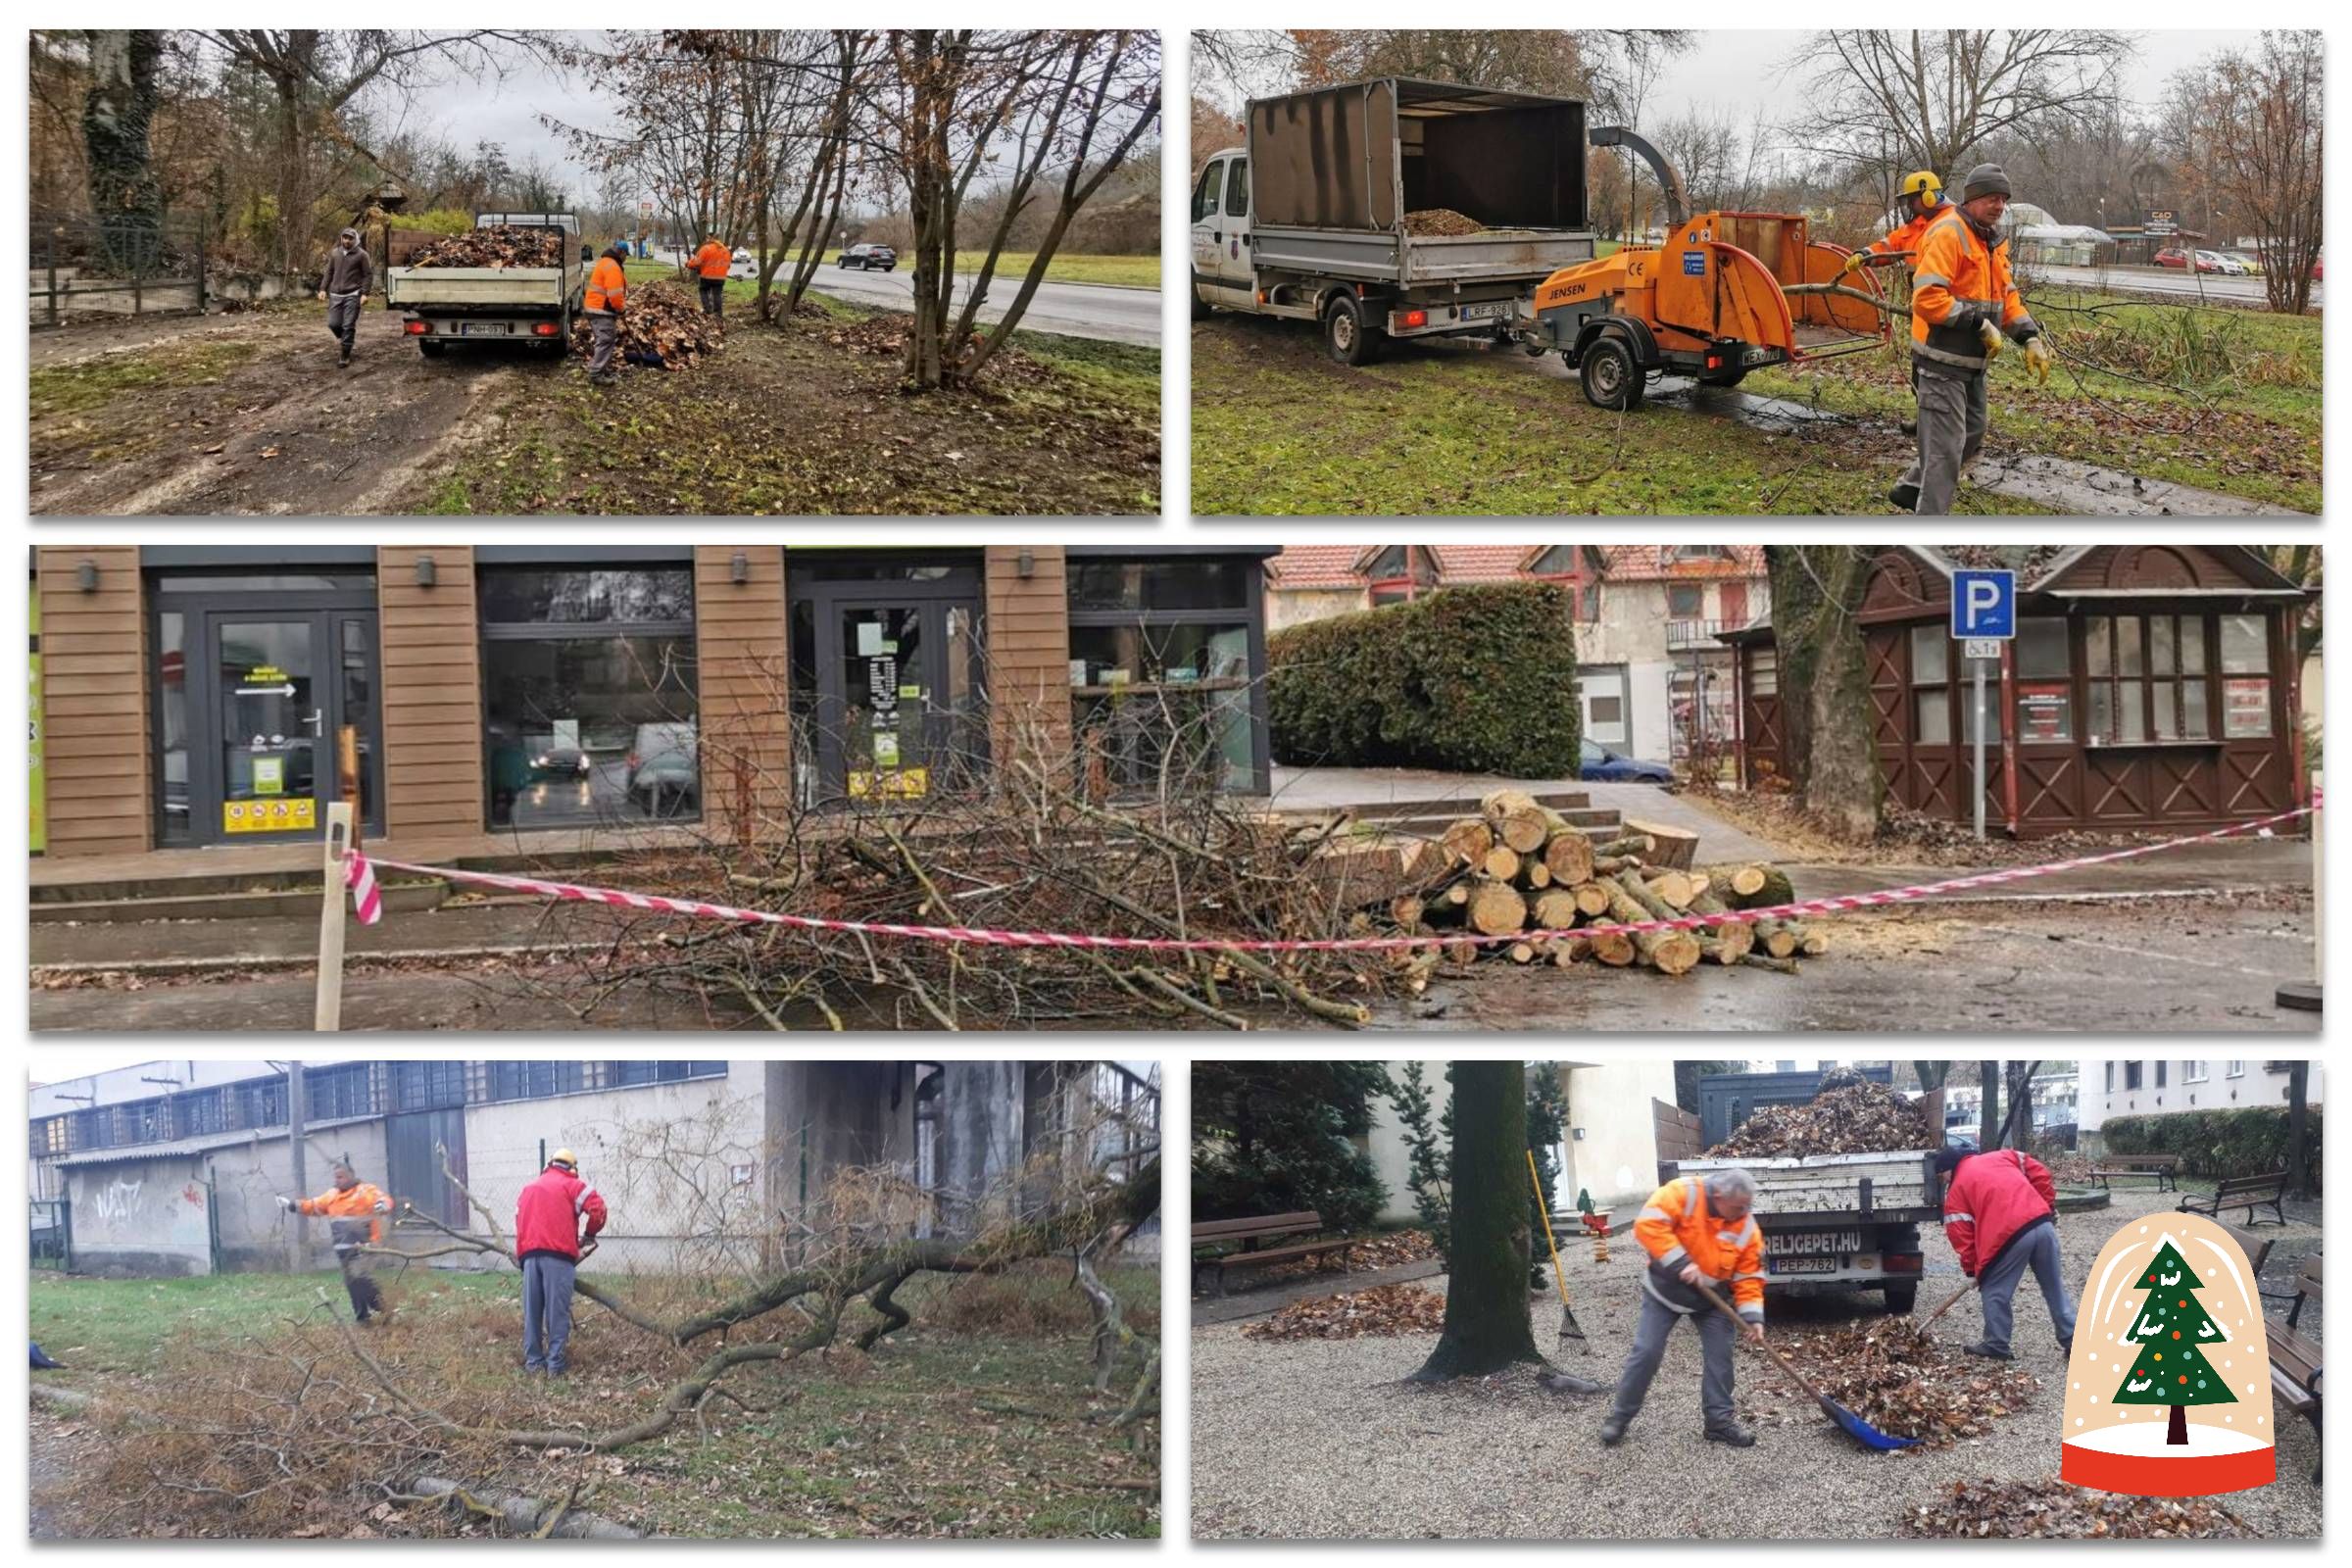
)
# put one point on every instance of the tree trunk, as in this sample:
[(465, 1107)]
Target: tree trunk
[(2176, 1431), (1497, 909), (1796, 599), (2299, 1129), (1488, 1325), (1989, 1123), (114, 119), (1843, 788)]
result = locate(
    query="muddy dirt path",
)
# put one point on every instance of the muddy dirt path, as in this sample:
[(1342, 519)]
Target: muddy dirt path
[(275, 430)]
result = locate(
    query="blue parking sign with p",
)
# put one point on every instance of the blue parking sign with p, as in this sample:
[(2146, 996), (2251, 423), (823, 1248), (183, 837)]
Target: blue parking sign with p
[(1985, 604)]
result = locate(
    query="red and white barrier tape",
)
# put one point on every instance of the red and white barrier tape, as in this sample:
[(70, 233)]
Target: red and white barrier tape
[(366, 901), (371, 909)]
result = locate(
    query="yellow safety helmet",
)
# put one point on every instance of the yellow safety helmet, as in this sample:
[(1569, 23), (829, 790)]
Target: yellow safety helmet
[(566, 1158), (1921, 183)]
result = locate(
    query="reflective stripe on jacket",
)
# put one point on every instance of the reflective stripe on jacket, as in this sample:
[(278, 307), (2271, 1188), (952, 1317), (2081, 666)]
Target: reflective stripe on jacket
[(1675, 1228), (1959, 281), (548, 1215), (1904, 240), (607, 285), (366, 1201), (713, 261), (1990, 1200)]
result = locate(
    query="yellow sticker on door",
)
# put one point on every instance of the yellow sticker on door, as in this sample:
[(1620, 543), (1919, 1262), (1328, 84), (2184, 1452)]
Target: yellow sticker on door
[(281, 815)]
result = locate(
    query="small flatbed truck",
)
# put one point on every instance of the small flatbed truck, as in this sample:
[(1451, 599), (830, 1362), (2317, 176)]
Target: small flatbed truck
[(500, 304)]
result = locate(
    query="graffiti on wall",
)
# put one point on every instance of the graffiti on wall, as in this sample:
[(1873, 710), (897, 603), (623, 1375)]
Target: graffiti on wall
[(117, 1200)]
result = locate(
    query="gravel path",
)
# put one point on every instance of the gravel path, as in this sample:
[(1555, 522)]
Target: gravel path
[(1319, 1439)]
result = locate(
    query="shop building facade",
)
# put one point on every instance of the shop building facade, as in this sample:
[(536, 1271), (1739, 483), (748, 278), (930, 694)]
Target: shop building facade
[(193, 696)]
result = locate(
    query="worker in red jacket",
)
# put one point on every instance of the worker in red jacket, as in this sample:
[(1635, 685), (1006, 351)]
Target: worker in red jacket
[(554, 1218), (2000, 1215)]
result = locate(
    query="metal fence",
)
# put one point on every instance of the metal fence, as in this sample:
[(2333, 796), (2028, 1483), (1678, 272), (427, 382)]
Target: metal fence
[(53, 1234), (126, 265)]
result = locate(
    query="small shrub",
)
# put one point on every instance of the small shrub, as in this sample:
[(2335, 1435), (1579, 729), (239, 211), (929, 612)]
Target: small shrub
[(1476, 679)]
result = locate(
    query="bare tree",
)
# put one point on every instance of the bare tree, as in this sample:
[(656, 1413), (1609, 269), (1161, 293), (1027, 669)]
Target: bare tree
[(2262, 116), (1943, 93)]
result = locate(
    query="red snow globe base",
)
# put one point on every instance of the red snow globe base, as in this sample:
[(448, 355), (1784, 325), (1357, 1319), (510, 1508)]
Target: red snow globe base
[(2135, 1461)]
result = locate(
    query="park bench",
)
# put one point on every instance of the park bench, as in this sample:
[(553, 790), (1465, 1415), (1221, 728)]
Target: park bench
[(2166, 1168), (2257, 1247), (2249, 1192), (1251, 1235), (2295, 1355)]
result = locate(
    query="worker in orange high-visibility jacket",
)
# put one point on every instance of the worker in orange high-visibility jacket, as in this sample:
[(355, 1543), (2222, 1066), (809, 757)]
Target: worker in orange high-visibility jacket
[(606, 299), (1921, 198), (1697, 1232), (1964, 304), (710, 265), (354, 1211)]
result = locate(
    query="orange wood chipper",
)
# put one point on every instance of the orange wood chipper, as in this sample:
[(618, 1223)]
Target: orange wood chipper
[(1726, 293)]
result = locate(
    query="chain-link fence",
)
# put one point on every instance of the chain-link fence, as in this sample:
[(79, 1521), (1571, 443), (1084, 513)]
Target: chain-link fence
[(127, 265)]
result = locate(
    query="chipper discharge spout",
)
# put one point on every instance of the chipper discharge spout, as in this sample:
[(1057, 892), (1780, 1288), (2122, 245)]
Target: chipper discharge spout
[(1724, 294)]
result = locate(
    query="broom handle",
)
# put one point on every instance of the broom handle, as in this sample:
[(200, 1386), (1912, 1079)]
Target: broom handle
[(1549, 1244), (1951, 1302), (1770, 1348)]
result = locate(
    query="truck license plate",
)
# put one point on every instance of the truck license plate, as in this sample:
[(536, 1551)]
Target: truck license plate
[(483, 328), (1801, 1243), (1801, 1265), (1489, 311)]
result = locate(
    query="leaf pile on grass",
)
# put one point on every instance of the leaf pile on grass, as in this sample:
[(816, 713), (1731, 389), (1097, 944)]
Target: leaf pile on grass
[(1385, 1310), (1901, 1383), (2051, 1509), (885, 337), (1392, 1250), (1859, 1119), (662, 328)]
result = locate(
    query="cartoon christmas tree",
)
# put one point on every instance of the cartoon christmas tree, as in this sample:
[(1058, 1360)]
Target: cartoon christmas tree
[(2173, 1330)]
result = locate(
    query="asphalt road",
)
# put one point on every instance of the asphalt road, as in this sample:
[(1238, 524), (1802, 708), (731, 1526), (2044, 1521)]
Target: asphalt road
[(1075, 310), (2168, 281)]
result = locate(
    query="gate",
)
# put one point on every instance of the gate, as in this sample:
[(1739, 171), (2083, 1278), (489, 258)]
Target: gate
[(127, 265), (53, 1234), (414, 1140)]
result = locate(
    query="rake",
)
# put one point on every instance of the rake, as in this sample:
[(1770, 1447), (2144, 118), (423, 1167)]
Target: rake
[(1568, 1324), (1854, 1426)]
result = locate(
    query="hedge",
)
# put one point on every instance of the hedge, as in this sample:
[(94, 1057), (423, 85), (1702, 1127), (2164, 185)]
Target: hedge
[(2240, 1140), (1478, 679)]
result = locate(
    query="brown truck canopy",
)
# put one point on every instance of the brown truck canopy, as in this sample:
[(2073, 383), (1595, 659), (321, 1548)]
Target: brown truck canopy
[(1362, 155)]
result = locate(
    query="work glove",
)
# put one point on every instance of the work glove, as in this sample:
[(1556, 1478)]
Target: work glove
[(286, 1204), (1854, 264), (1991, 336), (1755, 1333), (2037, 358)]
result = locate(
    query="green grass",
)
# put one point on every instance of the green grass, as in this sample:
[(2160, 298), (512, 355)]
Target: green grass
[(66, 390), (976, 1421)]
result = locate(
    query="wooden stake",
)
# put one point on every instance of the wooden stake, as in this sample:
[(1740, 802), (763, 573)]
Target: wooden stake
[(327, 1015)]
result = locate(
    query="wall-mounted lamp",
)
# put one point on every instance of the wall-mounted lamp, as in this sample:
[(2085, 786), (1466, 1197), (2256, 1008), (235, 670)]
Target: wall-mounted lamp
[(85, 575), (739, 569), (427, 573), (1028, 562)]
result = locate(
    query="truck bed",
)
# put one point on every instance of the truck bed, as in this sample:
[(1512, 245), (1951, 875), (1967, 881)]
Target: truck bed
[(1408, 262), (1896, 1187), (481, 287)]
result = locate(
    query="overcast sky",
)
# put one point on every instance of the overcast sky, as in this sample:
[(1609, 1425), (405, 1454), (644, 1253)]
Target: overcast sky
[(505, 111)]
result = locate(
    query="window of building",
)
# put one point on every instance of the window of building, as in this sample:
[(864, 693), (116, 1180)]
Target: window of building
[(201, 1112), (2111, 1077), (2233, 1070), (589, 695), (1763, 672), (55, 1135), (2130, 1075), (427, 1085), (1587, 602), (1676, 553), (2045, 680), (2160, 1067), (632, 1074), (2192, 1072), (1559, 560), (534, 1080), (1161, 685), (259, 1103), (346, 1089), (1685, 601), (2178, 698), (2245, 649), (1931, 691)]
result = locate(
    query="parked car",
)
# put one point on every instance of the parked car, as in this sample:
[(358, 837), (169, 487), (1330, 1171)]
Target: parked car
[(559, 763), (2315, 269), (665, 771), (1601, 765), (866, 258), (2252, 263), (2215, 261), (2170, 258)]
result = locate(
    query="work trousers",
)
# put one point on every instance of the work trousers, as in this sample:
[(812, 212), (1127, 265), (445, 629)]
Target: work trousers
[(2038, 1251), (546, 1311), (1951, 432), (604, 328), (715, 296), (359, 1276), (343, 320), (1716, 1338)]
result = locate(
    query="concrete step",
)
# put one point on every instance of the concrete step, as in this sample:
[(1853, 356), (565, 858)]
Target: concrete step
[(1458, 807), (236, 904)]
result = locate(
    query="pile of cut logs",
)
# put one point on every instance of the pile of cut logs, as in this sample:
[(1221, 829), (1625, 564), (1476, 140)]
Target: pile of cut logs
[(1519, 866)]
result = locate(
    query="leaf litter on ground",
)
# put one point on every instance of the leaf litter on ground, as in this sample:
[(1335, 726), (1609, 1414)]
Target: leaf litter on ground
[(1384, 1309), (1904, 1384), (2052, 1509)]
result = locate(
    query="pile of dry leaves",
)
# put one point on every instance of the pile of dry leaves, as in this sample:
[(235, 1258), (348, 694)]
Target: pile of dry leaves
[(1904, 1385), (1384, 1309), (2051, 1509), (1441, 222), (1391, 1250), (1859, 1119), (497, 247), (663, 327)]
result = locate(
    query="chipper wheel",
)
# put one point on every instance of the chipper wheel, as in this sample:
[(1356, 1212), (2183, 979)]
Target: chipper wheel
[(1611, 376), (1348, 333)]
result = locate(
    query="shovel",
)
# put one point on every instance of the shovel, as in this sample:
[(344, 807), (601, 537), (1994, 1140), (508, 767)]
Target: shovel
[(1855, 1427), (1568, 1325)]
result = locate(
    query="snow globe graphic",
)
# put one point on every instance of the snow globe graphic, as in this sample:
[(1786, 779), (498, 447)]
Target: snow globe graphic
[(2169, 1384)]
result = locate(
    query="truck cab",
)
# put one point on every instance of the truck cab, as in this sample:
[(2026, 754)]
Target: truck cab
[(1223, 271)]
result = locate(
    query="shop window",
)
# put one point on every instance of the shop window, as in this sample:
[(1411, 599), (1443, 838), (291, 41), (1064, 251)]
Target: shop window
[(2245, 650), (1164, 585), (589, 696), (2115, 667), (1931, 691), (171, 725), (2045, 680), (2179, 697), (1163, 703)]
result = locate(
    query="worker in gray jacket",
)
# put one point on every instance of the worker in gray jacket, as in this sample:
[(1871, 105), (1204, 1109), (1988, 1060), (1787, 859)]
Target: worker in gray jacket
[(349, 272)]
